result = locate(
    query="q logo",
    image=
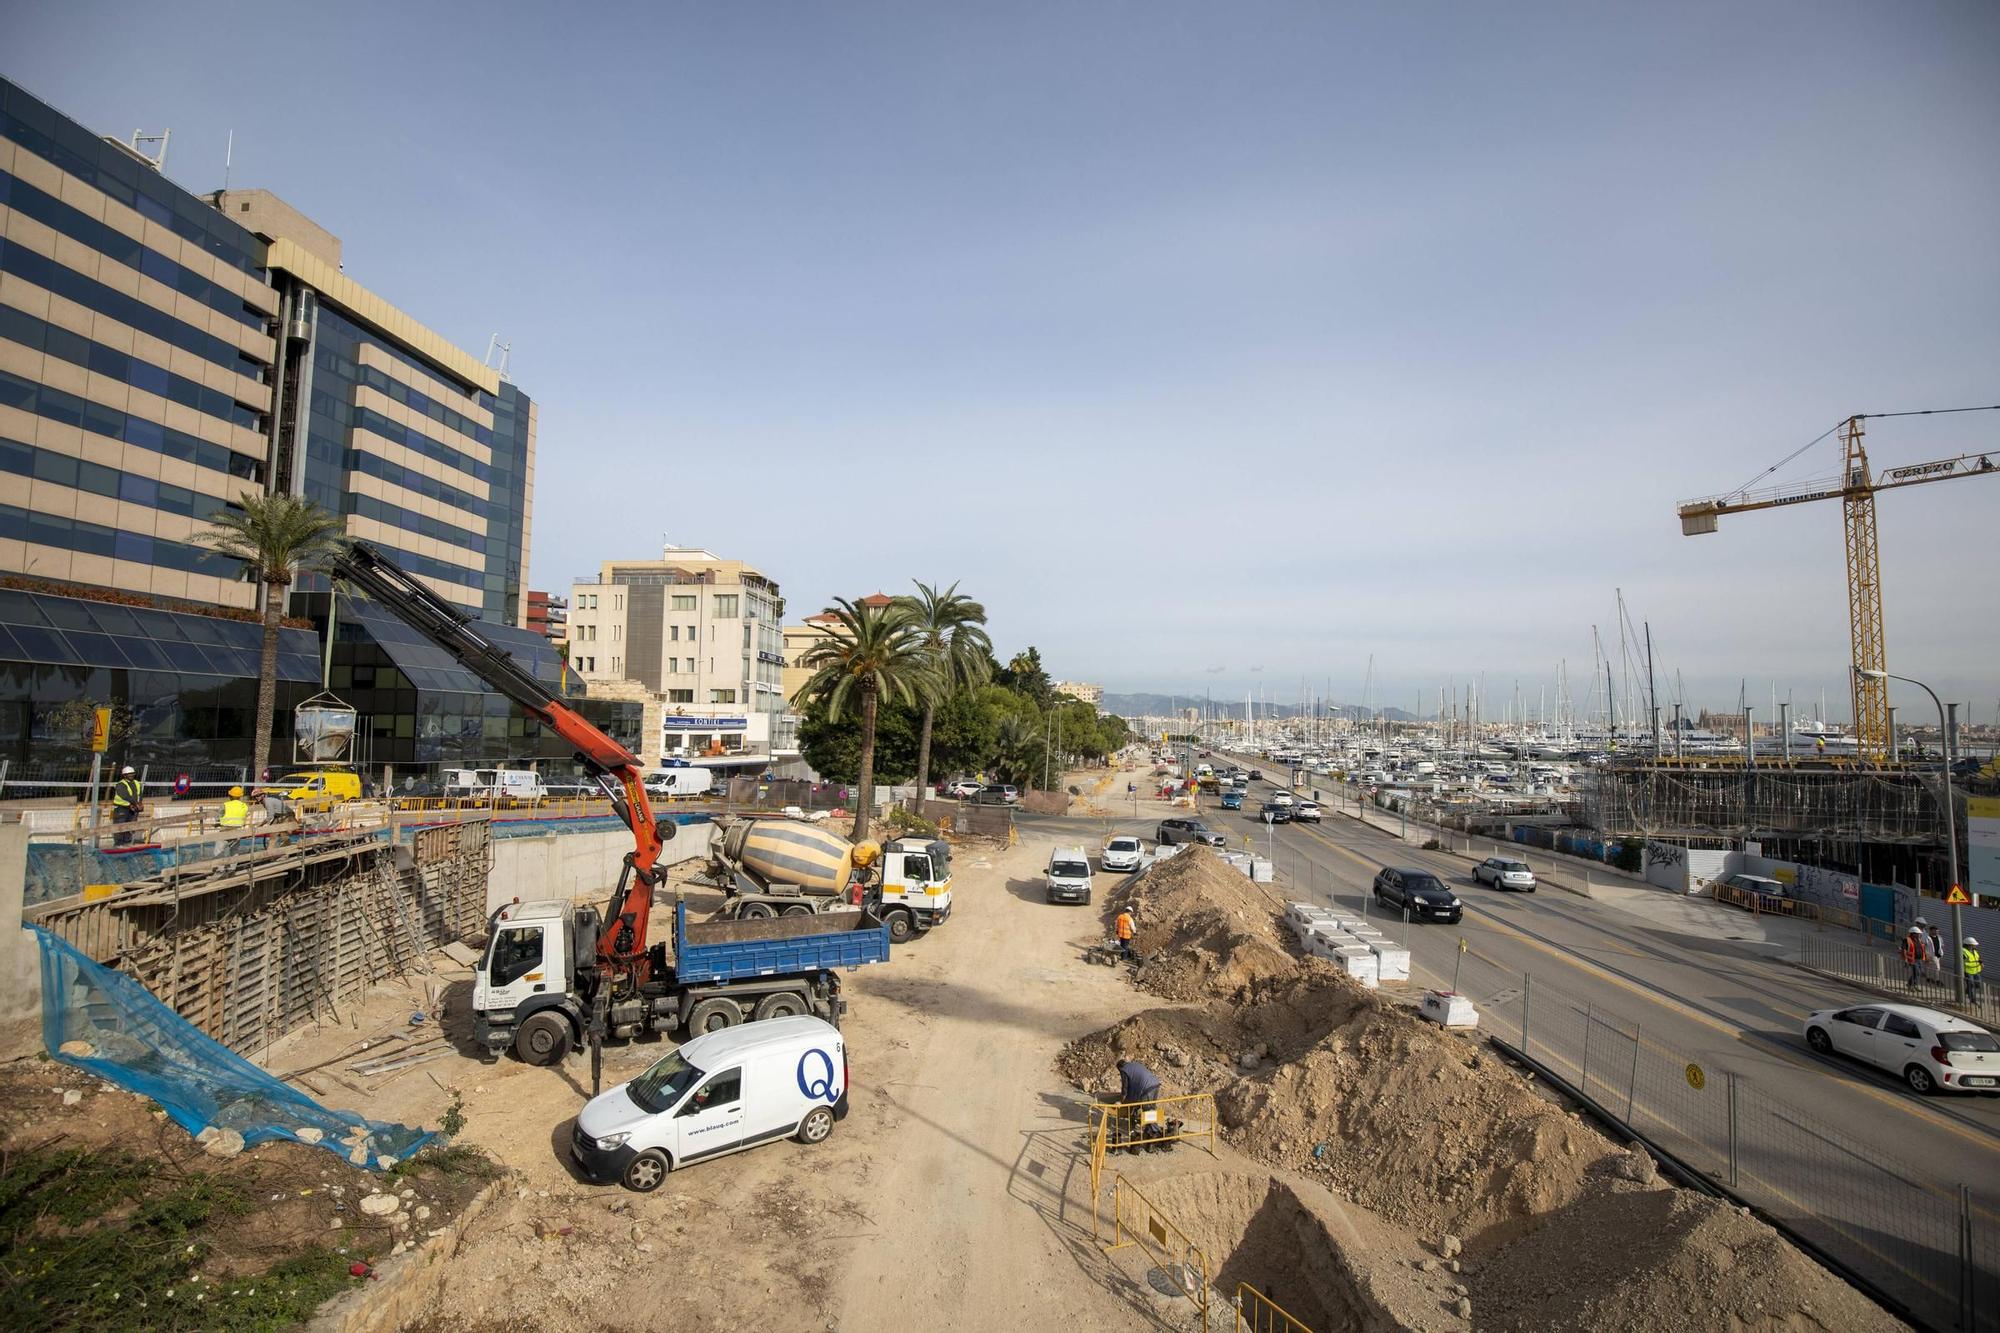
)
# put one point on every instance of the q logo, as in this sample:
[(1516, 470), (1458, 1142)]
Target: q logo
[(821, 1088)]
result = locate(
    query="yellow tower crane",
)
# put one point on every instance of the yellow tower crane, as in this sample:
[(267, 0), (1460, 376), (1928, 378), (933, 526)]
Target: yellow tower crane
[(1855, 488)]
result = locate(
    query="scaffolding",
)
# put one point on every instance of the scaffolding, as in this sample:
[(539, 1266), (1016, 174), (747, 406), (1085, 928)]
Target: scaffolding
[(1701, 802)]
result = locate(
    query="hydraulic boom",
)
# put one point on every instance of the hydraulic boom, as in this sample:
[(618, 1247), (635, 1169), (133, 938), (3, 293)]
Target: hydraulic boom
[(621, 948)]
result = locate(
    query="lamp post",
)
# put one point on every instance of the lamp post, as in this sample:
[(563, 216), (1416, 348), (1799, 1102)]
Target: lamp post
[(1950, 831)]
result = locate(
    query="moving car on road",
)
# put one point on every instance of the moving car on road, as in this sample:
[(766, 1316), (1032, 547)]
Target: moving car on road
[(1179, 830), (1930, 1051), (1232, 799), (1069, 876), (1306, 812), (1275, 812), (1504, 872), (1423, 893), (1121, 854)]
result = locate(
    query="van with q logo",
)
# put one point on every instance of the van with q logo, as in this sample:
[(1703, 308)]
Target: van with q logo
[(719, 1093)]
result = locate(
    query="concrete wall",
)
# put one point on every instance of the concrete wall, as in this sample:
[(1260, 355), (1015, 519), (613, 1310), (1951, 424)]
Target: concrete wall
[(575, 865), (20, 957)]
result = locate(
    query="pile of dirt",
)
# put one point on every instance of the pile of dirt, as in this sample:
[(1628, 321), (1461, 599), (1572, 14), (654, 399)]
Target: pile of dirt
[(1206, 930), (1681, 1261)]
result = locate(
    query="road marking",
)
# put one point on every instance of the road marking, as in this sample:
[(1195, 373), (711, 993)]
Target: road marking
[(1982, 1138)]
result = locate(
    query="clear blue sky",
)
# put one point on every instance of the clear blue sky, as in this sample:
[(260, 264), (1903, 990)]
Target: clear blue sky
[(1259, 337)]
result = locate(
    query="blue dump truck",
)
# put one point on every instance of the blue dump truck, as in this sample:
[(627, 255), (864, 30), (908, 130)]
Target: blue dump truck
[(537, 985)]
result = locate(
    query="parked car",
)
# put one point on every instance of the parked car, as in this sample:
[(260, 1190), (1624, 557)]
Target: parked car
[(1275, 812), (1121, 854), (963, 788), (1504, 872), (1930, 1051), (997, 793), (1422, 892), (1306, 812), (1069, 876), (1767, 890), (1173, 831), (718, 1093)]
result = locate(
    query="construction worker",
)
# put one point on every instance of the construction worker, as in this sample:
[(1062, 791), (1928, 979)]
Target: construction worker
[(1915, 946), (1935, 962), (127, 799), (1975, 984), (1123, 928), (236, 810)]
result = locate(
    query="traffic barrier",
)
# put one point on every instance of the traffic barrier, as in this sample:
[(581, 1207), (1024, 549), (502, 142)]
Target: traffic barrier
[(1258, 1313), (1136, 1220)]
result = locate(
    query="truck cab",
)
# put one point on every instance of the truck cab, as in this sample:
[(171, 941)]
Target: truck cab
[(916, 877), (533, 954)]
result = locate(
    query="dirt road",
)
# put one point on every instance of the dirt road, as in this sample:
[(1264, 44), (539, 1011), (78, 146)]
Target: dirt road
[(953, 1196)]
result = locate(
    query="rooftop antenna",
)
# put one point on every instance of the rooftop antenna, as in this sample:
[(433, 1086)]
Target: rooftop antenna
[(505, 351), (228, 158), (158, 161)]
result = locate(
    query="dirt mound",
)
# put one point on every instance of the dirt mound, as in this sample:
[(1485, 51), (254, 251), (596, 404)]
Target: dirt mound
[(1681, 1261), (1205, 929)]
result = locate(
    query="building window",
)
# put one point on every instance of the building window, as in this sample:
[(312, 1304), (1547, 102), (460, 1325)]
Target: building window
[(592, 664), (618, 632), (680, 696), (579, 664), (673, 666), (617, 665), (723, 606), (684, 601), (673, 634), (722, 696), (617, 601), (746, 636)]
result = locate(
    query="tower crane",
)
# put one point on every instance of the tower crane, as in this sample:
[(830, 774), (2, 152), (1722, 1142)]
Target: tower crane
[(1855, 488)]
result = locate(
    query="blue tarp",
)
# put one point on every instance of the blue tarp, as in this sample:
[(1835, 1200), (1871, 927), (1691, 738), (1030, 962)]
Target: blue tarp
[(138, 1043)]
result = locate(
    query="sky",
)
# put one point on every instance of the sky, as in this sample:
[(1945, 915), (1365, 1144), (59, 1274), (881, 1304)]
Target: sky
[(1212, 347)]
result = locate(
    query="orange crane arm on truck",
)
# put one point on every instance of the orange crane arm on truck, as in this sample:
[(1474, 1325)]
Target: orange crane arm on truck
[(621, 948)]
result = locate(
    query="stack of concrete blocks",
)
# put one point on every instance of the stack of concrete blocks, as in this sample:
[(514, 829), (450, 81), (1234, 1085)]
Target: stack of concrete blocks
[(1344, 941)]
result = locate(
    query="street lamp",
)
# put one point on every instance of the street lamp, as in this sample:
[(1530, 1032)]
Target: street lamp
[(1950, 832)]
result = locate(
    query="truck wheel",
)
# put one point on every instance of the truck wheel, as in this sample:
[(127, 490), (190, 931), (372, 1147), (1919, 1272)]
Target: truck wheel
[(543, 1040), (782, 1005), (755, 912), (816, 1126), (901, 927), (799, 909), (646, 1171), (713, 1015)]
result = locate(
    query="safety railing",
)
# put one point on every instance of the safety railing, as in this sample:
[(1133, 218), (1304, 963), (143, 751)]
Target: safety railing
[(1258, 1313), (1935, 986), (1136, 1220), (1164, 1120)]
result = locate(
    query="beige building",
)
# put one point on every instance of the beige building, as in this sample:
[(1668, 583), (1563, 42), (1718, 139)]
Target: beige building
[(1076, 689), (800, 638), (700, 636)]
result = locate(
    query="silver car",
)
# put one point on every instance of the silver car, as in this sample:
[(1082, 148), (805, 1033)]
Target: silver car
[(1504, 872)]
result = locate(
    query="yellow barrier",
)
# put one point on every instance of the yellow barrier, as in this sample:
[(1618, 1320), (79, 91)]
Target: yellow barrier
[(1105, 1112), (1260, 1314), (1136, 1221)]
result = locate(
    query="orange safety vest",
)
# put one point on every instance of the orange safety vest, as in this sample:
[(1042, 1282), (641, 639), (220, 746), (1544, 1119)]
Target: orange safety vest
[(1124, 926), (1914, 948)]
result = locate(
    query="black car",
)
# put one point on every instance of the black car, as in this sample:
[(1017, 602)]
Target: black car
[(1256, 775), (1273, 813), (1186, 830), (1425, 895)]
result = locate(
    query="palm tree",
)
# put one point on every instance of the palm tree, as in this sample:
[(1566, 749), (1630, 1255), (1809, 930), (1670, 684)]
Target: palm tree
[(875, 651), (279, 537), (948, 625)]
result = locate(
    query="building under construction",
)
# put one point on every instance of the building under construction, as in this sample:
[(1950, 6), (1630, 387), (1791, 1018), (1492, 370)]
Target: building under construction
[(1888, 820)]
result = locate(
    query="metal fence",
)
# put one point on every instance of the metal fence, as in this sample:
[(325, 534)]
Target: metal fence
[(1915, 1231), (1885, 969)]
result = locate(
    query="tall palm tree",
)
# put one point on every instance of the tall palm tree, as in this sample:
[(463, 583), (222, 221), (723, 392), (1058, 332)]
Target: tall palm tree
[(948, 625), (873, 651), (279, 537)]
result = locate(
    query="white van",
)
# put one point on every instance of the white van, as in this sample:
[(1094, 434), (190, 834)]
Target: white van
[(719, 1093), (680, 782), (1069, 876)]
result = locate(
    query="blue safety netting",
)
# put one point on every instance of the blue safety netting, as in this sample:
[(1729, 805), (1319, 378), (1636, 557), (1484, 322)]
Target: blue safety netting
[(139, 1043)]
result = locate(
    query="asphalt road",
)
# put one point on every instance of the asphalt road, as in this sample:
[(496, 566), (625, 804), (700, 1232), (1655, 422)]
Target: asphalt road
[(1846, 1151)]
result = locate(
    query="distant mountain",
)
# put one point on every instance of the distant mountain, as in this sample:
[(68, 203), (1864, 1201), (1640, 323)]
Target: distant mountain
[(1163, 705)]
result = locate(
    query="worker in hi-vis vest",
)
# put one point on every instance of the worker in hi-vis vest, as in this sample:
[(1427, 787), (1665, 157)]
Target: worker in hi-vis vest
[(127, 799)]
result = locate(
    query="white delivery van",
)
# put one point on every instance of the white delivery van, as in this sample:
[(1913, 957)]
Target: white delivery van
[(719, 1093), (680, 782), (1069, 876)]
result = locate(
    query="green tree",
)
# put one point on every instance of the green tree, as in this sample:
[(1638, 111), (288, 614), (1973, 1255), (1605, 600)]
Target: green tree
[(949, 626), (876, 653), (279, 537), (1024, 673)]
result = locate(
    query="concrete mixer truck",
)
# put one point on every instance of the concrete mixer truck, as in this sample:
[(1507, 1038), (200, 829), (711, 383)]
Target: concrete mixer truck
[(781, 867)]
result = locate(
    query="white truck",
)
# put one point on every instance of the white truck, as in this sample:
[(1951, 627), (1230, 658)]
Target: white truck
[(509, 785), (781, 867), (680, 782)]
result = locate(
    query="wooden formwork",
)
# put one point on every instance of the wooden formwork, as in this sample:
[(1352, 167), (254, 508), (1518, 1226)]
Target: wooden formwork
[(258, 945)]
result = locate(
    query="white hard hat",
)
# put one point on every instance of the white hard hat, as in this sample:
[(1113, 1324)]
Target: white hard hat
[(1915, 931), (1922, 922), (1973, 942), (123, 771)]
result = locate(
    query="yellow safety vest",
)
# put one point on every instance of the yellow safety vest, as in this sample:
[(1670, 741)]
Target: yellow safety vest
[(125, 792), (1972, 964), (235, 813)]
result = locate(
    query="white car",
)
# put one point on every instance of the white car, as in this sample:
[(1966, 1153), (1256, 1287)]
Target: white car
[(1281, 797), (963, 788), (1930, 1051), (719, 1093), (1306, 812), (1504, 872), (1121, 854)]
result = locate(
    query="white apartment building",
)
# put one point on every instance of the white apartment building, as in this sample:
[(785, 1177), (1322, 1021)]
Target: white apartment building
[(702, 635)]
